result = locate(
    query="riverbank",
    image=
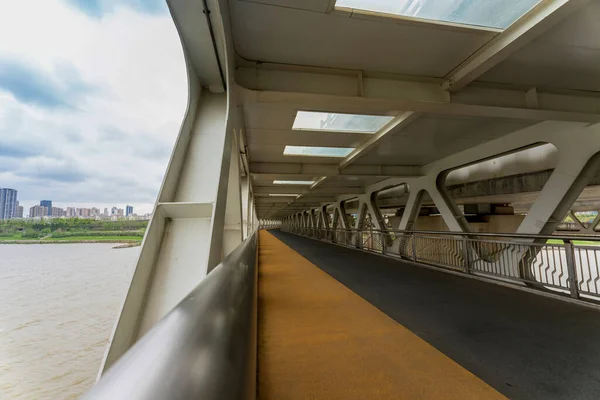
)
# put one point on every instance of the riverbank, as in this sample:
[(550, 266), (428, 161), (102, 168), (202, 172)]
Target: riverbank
[(133, 240), (71, 230)]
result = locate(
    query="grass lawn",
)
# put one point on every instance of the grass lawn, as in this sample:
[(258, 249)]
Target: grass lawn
[(580, 242), (97, 238), (14, 237)]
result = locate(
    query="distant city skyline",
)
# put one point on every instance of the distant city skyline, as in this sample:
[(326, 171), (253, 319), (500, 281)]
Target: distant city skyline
[(79, 123), (11, 206), (139, 208)]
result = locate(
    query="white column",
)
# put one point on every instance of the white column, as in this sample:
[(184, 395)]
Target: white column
[(325, 217), (245, 205), (340, 215), (233, 227)]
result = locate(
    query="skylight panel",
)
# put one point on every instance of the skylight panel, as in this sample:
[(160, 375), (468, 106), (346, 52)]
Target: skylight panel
[(283, 182), (322, 121), (498, 14), (317, 151)]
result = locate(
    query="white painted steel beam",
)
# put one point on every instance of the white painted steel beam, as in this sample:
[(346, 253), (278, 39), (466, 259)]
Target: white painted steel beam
[(246, 204), (274, 170), (197, 218), (292, 189), (393, 127), (179, 210), (384, 95), (538, 20)]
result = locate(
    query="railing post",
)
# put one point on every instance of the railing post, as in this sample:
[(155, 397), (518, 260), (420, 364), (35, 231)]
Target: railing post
[(383, 242), (414, 247), (570, 256), (466, 255)]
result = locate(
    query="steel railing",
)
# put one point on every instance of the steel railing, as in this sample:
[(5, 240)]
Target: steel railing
[(205, 348), (268, 224), (567, 264)]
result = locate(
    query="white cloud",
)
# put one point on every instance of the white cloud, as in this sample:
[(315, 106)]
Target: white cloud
[(111, 145)]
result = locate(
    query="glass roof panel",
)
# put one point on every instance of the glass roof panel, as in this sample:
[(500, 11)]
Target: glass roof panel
[(322, 121), (489, 13), (283, 182), (317, 151)]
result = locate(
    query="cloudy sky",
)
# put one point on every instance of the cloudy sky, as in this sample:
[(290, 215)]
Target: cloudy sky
[(92, 94)]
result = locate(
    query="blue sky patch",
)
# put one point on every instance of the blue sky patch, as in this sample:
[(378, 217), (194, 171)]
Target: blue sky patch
[(8, 150), (97, 8), (65, 174), (34, 86)]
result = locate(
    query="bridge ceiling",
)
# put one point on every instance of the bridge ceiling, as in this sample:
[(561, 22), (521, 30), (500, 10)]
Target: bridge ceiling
[(432, 137), (290, 32), (565, 57), (445, 92)]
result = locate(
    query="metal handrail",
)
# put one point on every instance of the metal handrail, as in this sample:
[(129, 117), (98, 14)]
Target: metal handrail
[(204, 348), (471, 234), (570, 268)]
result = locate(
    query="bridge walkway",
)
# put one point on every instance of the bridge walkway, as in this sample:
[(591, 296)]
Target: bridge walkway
[(337, 323)]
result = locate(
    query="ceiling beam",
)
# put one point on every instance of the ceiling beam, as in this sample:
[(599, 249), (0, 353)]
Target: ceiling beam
[(316, 170), (361, 105), (527, 28), (302, 206), (383, 96), (394, 126), (291, 189), (273, 200)]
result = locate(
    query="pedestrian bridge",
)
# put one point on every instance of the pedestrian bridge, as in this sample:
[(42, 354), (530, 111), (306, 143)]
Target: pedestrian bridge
[(291, 317), (419, 161)]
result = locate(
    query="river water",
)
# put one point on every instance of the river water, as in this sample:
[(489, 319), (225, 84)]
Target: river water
[(58, 305)]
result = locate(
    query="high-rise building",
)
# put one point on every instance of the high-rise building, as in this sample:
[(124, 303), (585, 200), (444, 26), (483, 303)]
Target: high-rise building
[(48, 205), (57, 212), (128, 210), (120, 212), (83, 212), (8, 203), (113, 211), (106, 212), (38, 211), (19, 213), (94, 212), (70, 212)]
